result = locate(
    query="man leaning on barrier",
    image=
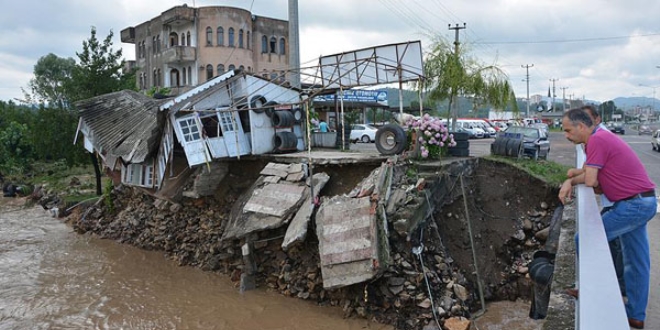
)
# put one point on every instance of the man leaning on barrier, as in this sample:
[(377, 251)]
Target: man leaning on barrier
[(613, 167)]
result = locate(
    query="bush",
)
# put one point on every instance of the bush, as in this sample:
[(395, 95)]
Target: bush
[(432, 135)]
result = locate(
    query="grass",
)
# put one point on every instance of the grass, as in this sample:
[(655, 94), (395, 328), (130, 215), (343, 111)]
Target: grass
[(549, 171)]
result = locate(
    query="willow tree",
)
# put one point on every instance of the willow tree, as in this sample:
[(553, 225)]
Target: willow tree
[(450, 75)]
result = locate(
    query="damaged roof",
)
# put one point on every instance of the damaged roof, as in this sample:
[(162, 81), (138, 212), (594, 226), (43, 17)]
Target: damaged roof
[(123, 124)]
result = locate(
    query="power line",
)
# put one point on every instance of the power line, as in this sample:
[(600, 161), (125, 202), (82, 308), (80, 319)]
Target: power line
[(569, 40)]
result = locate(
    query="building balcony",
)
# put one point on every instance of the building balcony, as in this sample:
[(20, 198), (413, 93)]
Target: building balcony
[(178, 16), (128, 35), (179, 54)]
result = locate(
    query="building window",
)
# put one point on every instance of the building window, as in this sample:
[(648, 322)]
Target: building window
[(231, 37), (190, 76), (273, 76), (189, 129), (264, 44), (248, 40), (160, 78), (240, 38), (273, 45), (183, 39), (221, 36), (188, 38), (209, 36), (231, 67), (209, 72), (153, 45), (174, 78), (282, 46), (158, 43), (241, 68), (154, 82), (249, 69), (183, 77), (221, 69), (174, 39)]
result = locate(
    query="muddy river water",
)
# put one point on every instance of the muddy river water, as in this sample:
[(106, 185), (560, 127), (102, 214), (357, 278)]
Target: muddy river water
[(53, 278)]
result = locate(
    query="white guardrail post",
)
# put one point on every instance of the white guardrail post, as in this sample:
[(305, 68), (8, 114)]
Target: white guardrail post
[(600, 305)]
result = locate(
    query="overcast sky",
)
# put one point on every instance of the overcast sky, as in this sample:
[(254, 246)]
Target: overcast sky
[(596, 49)]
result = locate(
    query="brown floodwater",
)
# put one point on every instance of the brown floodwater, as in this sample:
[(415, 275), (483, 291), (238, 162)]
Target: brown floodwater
[(53, 278)]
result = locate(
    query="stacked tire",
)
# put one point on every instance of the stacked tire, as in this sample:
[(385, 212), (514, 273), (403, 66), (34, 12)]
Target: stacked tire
[(347, 137), (462, 148)]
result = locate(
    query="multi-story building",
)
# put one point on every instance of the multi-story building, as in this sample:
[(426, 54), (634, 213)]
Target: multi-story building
[(186, 46)]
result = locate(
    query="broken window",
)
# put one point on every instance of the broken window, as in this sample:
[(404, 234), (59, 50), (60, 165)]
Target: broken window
[(209, 36), (273, 45), (210, 125)]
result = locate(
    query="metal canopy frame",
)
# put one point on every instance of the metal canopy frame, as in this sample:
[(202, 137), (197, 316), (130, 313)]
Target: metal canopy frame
[(395, 63)]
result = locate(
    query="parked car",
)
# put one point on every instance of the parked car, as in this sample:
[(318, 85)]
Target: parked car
[(655, 140), (535, 142), (542, 126), (644, 130), (363, 132), (617, 127)]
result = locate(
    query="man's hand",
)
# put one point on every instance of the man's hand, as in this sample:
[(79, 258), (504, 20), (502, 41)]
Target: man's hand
[(566, 192)]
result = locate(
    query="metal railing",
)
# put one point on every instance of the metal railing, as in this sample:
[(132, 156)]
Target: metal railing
[(600, 305)]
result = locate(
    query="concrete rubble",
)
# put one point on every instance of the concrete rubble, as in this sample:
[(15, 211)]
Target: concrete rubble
[(371, 250)]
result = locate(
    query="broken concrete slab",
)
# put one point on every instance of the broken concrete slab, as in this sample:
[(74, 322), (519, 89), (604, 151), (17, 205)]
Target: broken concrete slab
[(274, 199), (276, 169), (348, 243), (297, 230), (272, 179)]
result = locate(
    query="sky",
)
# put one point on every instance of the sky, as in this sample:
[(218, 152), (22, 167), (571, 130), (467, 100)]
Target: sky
[(588, 49)]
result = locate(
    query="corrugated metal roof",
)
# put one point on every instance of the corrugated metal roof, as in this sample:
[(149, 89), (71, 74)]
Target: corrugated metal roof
[(123, 124), (183, 98)]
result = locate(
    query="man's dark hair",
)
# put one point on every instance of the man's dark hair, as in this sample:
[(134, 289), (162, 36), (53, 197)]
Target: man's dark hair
[(592, 110), (579, 115)]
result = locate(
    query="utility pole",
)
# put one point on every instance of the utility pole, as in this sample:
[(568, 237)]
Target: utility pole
[(527, 66), (553, 93), (454, 115), (563, 98), (294, 44)]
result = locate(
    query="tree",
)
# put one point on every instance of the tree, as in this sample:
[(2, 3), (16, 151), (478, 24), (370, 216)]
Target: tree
[(51, 74), (450, 75), (98, 72)]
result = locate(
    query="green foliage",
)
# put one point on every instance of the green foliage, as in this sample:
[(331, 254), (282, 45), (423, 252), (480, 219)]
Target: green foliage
[(51, 73), (107, 195), (15, 149), (99, 70), (450, 75), (548, 171), (158, 90)]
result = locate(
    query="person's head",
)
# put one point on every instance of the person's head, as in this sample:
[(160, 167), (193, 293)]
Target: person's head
[(593, 113), (577, 125)]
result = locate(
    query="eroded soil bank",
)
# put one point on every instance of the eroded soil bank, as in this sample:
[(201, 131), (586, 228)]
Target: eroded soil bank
[(430, 275)]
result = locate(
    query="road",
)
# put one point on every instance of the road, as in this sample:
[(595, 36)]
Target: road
[(562, 151)]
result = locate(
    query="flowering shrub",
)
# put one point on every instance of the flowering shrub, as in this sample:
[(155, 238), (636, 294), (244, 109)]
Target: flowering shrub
[(432, 135)]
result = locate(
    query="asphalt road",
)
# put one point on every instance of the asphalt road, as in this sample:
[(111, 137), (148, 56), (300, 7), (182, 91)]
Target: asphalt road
[(563, 151)]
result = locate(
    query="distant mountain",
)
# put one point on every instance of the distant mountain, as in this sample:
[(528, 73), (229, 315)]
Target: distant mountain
[(626, 103)]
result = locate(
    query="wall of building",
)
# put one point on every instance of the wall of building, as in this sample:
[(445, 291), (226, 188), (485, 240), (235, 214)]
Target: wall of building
[(181, 48)]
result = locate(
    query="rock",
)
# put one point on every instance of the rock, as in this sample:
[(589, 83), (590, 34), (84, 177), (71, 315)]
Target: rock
[(523, 270), (431, 326), (406, 265), (392, 281), (519, 235), (457, 323), (401, 227), (175, 208), (426, 303), (544, 205), (527, 225), (461, 292), (542, 235), (396, 289), (441, 311)]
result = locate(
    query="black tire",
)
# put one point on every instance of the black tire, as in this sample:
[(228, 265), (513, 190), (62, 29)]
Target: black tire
[(365, 139), (269, 108), (282, 118), (513, 147), (391, 140), (460, 136), (461, 145), (285, 141), (257, 103)]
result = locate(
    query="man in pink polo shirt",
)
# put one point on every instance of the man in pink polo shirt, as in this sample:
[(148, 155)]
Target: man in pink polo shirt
[(614, 167)]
